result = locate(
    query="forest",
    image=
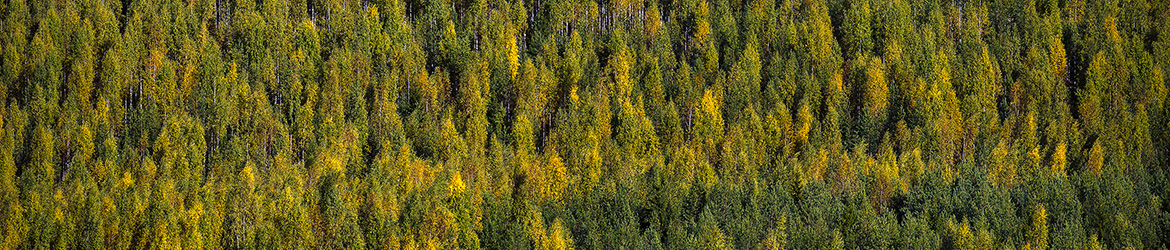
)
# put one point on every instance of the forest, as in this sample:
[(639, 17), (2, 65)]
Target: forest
[(584, 124)]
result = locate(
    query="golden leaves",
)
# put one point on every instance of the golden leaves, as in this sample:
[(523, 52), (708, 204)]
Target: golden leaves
[(1096, 161), (709, 119), (1059, 159)]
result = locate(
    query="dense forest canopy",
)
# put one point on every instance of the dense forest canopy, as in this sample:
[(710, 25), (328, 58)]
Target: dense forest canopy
[(560, 124)]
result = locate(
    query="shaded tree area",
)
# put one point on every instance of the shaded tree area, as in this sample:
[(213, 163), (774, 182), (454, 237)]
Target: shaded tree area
[(561, 124)]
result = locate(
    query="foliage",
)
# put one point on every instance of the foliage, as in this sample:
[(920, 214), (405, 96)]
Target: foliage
[(570, 124)]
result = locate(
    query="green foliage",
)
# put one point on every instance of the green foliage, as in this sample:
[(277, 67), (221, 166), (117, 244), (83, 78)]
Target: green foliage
[(693, 124)]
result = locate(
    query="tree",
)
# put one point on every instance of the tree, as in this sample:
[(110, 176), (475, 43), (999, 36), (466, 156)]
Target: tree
[(1003, 169), (857, 28), (180, 150), (475, 96), (15, 225), (744, 90), (15, 37), (635, 131), (580, 135), (876, 99), (944, 109), (1095, 163), (1059, 160), (708, 233), (961, 234), (690, 124), (708, 129), (621, 65), (558, 237), (777, 237), (823, 53), (1038, 232)]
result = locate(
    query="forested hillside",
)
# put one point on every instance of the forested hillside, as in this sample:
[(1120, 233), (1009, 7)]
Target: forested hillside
[(561, 124)]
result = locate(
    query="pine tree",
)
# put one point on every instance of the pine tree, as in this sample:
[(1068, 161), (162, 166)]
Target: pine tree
[(857, 28), (709, 235), (744, 90)]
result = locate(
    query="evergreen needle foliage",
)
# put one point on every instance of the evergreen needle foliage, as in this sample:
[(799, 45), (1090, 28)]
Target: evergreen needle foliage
[(562, 124)]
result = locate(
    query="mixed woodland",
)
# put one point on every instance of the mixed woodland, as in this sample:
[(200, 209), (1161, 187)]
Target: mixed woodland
[(584, 124)]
